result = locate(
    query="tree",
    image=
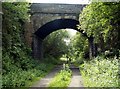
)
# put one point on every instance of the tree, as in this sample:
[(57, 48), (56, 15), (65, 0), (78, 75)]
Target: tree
[(78, 47), (55, 44), (101, 20)]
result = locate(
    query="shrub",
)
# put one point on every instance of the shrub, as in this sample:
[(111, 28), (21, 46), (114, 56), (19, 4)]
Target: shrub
[(17, 76), (100, 72)]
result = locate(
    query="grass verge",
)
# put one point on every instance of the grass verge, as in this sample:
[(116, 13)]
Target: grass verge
[(61, 80)]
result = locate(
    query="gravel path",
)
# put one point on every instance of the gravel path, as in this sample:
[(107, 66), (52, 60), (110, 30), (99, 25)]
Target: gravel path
[(46, 80), (76, 80)]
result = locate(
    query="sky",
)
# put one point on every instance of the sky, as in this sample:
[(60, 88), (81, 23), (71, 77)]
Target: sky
[(61, 1), (72, 32)]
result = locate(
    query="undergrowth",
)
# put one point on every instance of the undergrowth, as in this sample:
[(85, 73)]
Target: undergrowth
[(101, 72), (23, 73)]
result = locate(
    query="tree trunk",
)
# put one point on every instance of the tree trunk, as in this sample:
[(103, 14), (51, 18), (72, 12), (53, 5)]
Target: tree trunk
[(101, 43), (96, 49), (91, 47)]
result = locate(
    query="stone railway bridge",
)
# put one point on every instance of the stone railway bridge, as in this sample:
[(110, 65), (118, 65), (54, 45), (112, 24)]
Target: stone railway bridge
[(47, 18)]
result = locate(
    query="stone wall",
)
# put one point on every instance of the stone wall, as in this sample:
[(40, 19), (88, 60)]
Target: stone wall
[(43, 13), (28, 33), (41, 19), (56, 8)]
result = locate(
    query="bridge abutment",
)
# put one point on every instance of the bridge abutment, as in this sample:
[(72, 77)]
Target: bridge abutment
[(37, 47)]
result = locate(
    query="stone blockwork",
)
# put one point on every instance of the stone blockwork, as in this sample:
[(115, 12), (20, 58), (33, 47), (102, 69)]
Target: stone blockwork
[(56, 8), (41, 14), (41, 19), (28, 33)]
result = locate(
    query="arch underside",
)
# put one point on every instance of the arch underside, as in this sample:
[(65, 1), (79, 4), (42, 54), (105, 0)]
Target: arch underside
[(54, 25)]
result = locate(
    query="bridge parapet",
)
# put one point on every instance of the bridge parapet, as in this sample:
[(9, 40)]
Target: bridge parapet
[(56, 8)]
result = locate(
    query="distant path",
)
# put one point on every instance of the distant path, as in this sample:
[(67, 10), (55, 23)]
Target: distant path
[(46, 80), (76, 80)]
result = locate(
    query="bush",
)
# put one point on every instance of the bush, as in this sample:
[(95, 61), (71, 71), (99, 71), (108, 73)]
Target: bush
[(14, 75), (100, 72), (79, 60)]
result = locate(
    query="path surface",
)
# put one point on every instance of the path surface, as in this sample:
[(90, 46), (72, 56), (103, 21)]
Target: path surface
[(76, 80), (46, 80)]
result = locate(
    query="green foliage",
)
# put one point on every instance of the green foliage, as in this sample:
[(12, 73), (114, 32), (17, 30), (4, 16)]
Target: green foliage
[(102, 21), (52, 60), (15, 76), (55, 44), (62, 79), (14, 17), (19, 69), (78, 48), (66, 67), (101, 72)]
